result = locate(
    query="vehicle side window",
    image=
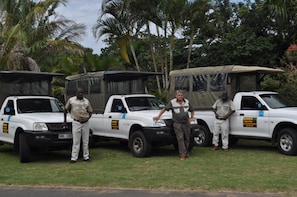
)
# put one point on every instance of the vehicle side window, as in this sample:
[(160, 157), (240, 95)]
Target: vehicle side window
[(117, 105), (249, 103)]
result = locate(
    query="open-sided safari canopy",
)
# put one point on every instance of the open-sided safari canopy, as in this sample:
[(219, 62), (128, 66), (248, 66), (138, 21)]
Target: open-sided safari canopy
[(203, 85), (25, 83), (99, 86)]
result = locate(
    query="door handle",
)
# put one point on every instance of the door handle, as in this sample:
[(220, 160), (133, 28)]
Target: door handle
[(241, 114)]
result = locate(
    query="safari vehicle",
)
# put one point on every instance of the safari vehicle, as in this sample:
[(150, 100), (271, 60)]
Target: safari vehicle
[(124, 111), (31, 120), (262, 115)]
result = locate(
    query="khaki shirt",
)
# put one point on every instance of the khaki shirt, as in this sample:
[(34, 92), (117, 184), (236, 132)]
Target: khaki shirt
[(79, 109), (223, 108)]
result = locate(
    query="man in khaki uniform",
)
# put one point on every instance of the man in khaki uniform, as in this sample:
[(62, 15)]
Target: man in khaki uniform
[(223, 109), (81, 111)]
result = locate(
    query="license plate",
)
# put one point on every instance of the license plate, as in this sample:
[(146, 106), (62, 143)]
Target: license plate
[(65, 136)]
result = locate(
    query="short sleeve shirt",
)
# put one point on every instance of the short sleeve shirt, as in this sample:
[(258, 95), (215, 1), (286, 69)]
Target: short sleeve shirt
[(79, 108), (180, 112), (223, 108)]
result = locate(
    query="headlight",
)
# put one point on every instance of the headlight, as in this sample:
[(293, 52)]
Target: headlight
[(160, 123), (39, 126)]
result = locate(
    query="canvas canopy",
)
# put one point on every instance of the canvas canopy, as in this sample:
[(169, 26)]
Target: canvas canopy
[(17, 83), (203, 85), (226, 69), (99, 86)]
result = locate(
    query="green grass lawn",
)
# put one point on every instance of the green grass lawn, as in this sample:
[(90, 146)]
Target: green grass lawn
[(250, 166)]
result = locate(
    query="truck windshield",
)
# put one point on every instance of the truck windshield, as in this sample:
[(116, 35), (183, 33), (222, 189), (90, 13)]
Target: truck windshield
[(144, 103), (33, 105), (275, 101)]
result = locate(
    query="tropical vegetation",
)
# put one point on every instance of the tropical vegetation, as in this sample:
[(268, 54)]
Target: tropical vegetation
[(156, 35)]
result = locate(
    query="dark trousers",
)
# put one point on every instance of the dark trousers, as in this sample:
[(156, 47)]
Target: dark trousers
[(182, 132)]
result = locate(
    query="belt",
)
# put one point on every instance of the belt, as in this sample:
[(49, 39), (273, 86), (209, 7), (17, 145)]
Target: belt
[(80, 121), (220, 119)]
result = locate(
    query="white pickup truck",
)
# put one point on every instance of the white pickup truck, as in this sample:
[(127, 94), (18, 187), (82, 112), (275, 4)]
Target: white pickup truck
[(34, 123), (261, 115), (129, 118)]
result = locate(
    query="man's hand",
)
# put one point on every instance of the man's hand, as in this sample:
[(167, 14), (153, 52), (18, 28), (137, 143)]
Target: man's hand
[(190, 120), (156, 118), (64, 125)]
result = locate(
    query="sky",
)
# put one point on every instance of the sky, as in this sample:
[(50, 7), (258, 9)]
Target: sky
[(86, 12)]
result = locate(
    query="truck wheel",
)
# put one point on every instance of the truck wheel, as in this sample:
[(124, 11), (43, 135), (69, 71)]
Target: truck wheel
[(24, 149), (287, 141), (201, 136), (140, 147)]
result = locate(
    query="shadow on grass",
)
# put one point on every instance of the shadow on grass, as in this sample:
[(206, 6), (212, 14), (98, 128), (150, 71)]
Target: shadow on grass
[(113, 147), (38, 155), (100, 149), (254, 145), (123, 148)]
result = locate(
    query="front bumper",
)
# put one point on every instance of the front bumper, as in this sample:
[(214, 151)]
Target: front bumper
[(49, 139), (159, 134)]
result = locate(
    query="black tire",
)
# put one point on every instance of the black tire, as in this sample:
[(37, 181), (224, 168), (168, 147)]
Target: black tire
[(140, 147), (287, 141), (24, 149), (201, 136)]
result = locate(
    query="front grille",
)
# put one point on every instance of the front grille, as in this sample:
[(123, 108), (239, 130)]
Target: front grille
[(58, 127)]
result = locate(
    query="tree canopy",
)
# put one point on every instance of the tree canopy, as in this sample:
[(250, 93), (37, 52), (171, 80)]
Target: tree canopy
[(156, 35)]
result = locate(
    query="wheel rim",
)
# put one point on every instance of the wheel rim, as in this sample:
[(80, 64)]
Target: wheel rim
[(286, 142), (200, 138), (137, 145)]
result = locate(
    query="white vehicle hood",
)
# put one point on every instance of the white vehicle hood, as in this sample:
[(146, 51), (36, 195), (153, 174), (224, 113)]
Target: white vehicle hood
[(44, 117), (284, 112), (152, 113)]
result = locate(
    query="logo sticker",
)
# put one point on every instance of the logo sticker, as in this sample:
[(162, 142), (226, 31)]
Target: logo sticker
[(115, 124), (5, 127), (249, 122)]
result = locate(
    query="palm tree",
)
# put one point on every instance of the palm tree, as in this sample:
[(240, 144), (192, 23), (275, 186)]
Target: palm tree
[(147, 13), (32, 32), (119, 23), (194, 20), (173, 10), (286, 9)]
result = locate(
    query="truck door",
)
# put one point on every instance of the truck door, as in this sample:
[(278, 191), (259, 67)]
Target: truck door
[(250, 120), (115, 119), (6, 131)]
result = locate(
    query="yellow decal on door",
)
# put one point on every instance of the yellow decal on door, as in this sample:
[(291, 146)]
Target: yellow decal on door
[(115, 124), (249, 122), (5, 127)]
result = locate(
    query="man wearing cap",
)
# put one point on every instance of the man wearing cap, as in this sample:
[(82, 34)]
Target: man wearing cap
[(223, 108)]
